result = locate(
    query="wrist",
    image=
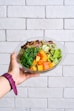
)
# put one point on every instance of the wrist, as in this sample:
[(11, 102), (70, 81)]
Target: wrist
[(11, 82), (14, 77), (4, 86), (6, 82)]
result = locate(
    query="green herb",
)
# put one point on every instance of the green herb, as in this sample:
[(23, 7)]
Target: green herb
[(28, 56)]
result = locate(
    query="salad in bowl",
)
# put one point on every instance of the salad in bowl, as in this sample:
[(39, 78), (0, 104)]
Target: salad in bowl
[(39, 55)]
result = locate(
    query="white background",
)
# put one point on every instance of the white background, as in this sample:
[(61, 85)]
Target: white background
[(23, 19)]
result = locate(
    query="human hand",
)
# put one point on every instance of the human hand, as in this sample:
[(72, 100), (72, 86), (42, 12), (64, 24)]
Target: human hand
[(18, 75)]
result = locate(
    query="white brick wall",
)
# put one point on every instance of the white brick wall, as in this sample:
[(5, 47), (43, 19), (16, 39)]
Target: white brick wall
[(31, 102), (8, 47), (69, 24), (45, 24), (44, 2), (12, 2), (70, 47), (69, 92), (60, 12), (61, 82), (69, 109), (4, 58), (60, 35), (12, 23), (2, 11), (69, 2), (45, 92), (47, 109), (35, 82), (2, 35), (69, 59), (24, 19), (13, 109), (7, 102), (61, 103), (3, 68), (21, 35), (68, 70), (27, 11)]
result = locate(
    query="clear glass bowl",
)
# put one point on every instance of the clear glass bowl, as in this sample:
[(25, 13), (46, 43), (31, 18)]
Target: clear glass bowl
[(59, 45)]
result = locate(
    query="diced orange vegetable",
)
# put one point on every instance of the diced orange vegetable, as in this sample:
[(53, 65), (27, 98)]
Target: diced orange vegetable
[(40, 62), (40, 67), (34, 62), (39, 55), (34, 68), (43, 55), (42, 52), (51, 65), (37, 58), (46, 65), (44, 59)]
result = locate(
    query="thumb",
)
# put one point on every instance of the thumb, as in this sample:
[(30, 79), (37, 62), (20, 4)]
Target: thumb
[(13, 57), (13, 61)]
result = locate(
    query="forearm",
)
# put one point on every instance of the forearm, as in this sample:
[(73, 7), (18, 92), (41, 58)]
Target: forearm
[(4, 86)]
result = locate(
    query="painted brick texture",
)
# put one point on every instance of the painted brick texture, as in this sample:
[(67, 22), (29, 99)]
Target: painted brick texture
[(21, 20)]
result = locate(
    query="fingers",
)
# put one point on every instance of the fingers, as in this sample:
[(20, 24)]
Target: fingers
[(32, 75), (28, 74)]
